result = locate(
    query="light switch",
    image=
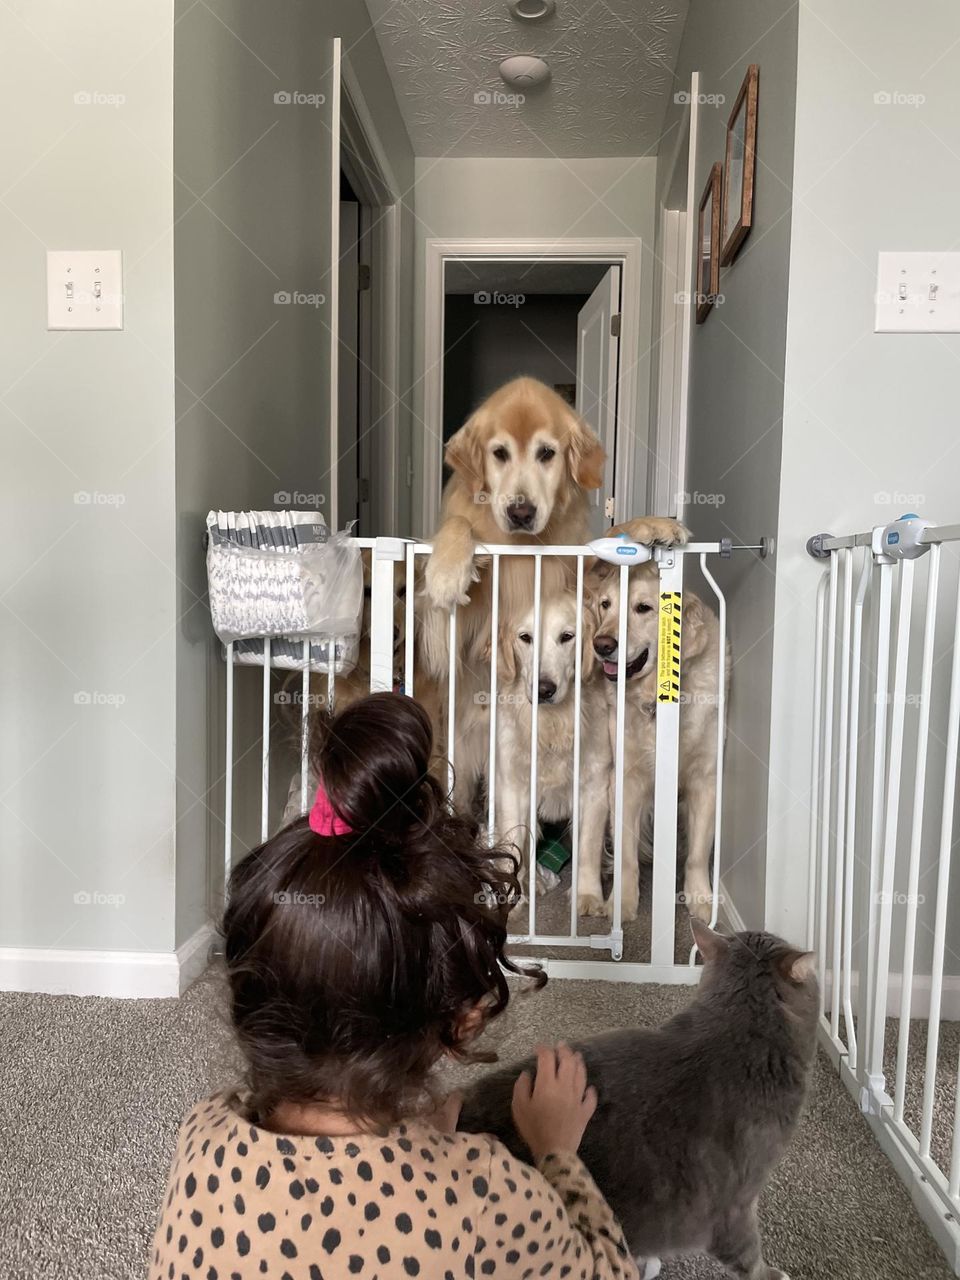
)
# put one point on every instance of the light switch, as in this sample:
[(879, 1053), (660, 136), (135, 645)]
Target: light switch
[(84, 289), (918, 293)]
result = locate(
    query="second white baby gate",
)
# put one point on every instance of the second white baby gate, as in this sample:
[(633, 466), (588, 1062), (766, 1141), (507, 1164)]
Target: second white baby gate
[(568, 948), (883, 892)]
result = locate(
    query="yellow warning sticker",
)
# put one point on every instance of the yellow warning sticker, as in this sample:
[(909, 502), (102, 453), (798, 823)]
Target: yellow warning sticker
[(668, 646)]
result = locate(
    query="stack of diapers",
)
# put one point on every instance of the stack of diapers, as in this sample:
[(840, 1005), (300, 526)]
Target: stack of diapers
[(285, 576)]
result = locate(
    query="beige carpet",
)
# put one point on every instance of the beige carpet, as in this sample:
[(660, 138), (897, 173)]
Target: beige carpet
[(91, 1092)]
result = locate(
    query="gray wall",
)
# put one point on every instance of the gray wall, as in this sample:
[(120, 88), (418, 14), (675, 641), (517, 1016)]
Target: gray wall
[(87, 588), (870, 419), (535, 198), (736, 391), (111, 755), (260, 370)]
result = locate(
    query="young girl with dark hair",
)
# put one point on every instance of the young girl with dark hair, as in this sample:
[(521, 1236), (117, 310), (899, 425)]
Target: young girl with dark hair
[(363, 944)]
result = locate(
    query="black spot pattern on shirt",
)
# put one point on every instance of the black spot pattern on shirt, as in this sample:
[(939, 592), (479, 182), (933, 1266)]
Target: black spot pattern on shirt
[(294, 1208)]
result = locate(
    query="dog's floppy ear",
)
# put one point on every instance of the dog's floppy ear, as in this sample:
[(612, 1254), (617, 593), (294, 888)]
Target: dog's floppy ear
[(507, 656), (588, 655), (464, 453), (585, 455), (694, 634)]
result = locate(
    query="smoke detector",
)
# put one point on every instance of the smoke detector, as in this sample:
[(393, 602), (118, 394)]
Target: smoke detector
[(532, 10), (524, 71)]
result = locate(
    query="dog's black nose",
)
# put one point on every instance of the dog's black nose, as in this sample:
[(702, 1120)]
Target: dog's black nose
[(521, 514), (546, 689), (603, 646)]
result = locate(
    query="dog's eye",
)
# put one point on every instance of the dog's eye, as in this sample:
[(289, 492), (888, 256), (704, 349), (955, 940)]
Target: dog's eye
[(567, 637), (401, 593), (604, 605), (545, 453), (642, 608), (526, 637), (500, 453)]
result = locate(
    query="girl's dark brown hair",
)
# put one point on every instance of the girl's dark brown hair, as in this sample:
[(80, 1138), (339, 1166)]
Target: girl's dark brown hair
[(352, 959)]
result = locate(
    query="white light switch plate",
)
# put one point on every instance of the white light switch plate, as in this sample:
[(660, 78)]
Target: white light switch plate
[(84, 289), (918, 293)]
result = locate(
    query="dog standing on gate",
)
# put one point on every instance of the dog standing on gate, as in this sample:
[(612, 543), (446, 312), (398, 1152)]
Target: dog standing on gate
[(556, 721), (522, 466), (699, 710)]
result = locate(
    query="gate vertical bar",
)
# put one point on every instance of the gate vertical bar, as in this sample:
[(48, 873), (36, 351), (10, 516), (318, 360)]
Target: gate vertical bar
[(891, 821), (916, 833), (534, 742), (494, 659), (624, 843), (839, 839), (815, 777), (851, 809), (409, 621), (228, 778), (882, 678), (667, 768), (265, 761), (575, 812), (943, 890), (304, 726), (827, 791)]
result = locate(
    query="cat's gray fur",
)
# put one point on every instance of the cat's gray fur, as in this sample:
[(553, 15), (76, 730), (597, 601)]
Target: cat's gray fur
[(693, 1115)]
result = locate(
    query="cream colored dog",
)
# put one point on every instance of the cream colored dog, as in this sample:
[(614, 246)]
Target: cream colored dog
[(556, 719), (522, 466), (699, 687)]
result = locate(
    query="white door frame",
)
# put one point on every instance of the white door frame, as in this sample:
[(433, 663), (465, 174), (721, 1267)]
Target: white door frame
[(669, 426), (624, 252), (352, 125)]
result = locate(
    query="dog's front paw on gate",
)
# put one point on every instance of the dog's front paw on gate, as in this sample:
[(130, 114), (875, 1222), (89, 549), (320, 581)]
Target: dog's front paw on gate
[(590, 904), (447, 584)]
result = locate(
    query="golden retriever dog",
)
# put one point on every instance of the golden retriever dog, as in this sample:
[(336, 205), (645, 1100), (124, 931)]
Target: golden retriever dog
[(522, 466), (699, 709), (556, 719)]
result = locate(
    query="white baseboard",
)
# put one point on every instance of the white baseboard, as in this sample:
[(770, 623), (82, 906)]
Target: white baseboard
[(141, 975)]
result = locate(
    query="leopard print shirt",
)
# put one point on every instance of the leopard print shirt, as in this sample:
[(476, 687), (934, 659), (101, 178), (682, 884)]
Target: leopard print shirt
[(243, 1203)]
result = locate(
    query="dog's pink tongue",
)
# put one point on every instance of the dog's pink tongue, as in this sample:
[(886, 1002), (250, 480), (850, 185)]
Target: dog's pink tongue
[(609, 668)]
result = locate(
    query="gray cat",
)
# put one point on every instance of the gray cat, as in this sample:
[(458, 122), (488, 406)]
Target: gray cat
[(693, 1115)]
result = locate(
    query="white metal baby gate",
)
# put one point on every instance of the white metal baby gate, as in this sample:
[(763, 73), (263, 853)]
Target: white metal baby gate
[(392, 557), (884, 794)]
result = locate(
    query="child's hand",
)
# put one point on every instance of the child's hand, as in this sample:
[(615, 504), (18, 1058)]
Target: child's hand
[(552, 1112), (447, 1114)]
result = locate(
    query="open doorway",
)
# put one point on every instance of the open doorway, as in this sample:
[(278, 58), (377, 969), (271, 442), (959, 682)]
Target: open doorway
[(559, 315), (554, 321)]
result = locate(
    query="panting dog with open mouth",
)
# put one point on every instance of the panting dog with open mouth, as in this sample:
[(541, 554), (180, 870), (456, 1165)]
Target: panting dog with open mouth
[(699, 689)]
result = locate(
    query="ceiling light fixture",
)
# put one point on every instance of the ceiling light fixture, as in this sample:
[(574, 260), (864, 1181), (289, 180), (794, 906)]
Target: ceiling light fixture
[(524, 71), (532, 10)]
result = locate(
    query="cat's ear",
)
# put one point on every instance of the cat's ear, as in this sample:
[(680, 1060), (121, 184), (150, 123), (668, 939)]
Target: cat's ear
[(799, 966), (710, 944)]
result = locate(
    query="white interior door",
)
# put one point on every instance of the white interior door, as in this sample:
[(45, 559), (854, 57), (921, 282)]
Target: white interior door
[(348, 497), (598, 356)]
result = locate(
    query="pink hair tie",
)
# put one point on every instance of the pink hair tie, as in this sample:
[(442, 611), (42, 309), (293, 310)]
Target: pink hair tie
[(323, 820)]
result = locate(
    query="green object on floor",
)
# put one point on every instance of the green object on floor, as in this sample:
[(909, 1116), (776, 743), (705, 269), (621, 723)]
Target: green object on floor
[(553, 854)]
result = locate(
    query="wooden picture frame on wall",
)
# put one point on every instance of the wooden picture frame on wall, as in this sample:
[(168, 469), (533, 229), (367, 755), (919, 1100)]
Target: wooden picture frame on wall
[(708, 244), (739, 167)]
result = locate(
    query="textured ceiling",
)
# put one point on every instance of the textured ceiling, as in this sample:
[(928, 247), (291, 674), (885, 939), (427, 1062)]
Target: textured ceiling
[(612, 63)]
